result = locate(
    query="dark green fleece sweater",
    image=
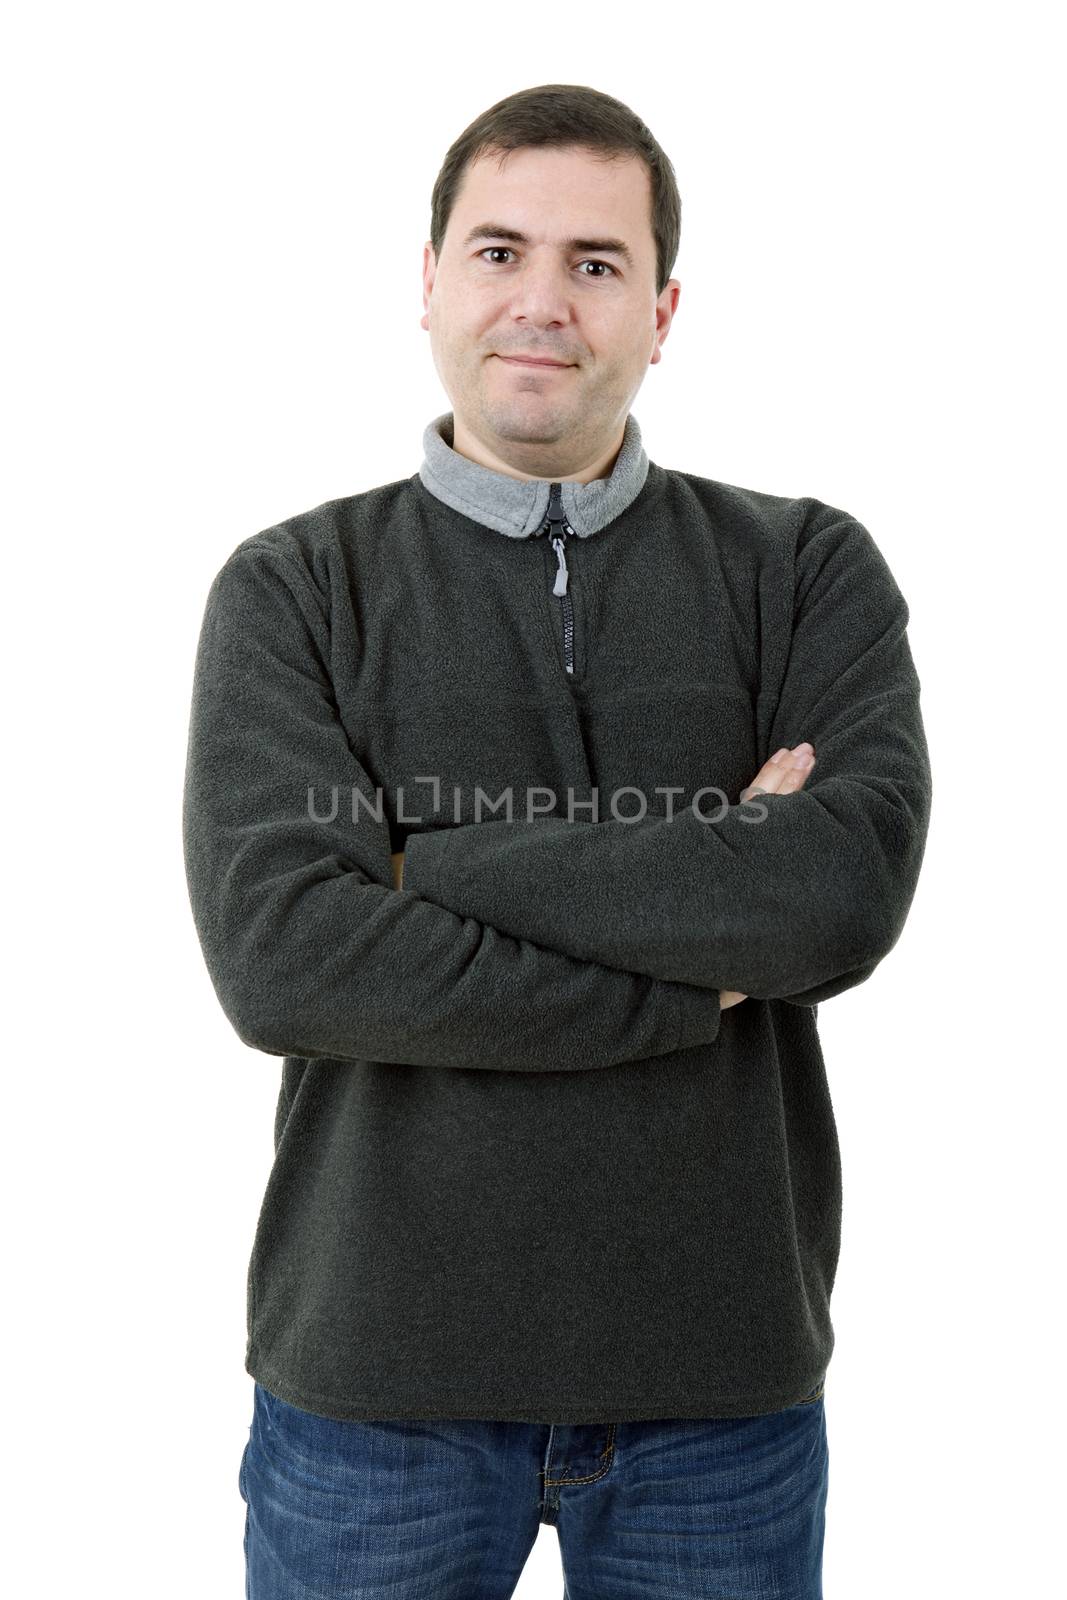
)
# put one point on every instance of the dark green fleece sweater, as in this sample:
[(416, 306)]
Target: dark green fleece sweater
[(524, 1166)]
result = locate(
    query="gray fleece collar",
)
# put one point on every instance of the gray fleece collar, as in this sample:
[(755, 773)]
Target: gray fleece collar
[(518, 506)]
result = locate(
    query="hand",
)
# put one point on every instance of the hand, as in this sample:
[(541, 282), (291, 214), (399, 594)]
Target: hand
[(397, 858), (784, 773)]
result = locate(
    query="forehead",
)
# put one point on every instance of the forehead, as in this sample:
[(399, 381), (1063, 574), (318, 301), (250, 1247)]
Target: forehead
[(552, 194)]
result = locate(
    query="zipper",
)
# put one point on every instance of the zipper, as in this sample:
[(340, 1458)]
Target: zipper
[(558, 528)]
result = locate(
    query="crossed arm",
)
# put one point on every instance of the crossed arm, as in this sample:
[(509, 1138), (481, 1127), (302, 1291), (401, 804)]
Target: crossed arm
[(784, 773), (522, 937)]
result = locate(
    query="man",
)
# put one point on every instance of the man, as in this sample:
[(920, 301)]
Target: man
[(533, 804)]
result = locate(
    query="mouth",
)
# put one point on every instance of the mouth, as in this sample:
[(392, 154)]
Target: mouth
[(535, 361)]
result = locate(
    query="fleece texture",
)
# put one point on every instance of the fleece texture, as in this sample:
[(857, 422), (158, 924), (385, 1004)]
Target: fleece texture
[(525, 1168)]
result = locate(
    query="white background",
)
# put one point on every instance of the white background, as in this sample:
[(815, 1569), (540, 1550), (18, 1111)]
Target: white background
[(212, 308)]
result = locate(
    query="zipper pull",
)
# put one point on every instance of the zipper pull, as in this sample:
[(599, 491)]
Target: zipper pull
[(557, 517), (560, 585)]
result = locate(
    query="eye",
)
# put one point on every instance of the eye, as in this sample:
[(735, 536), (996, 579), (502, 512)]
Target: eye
[(504, 249)]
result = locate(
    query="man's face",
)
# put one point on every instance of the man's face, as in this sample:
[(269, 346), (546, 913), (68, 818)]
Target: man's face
[(490, 297)]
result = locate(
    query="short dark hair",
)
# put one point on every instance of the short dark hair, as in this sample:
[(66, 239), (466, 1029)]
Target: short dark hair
[(565, 114)]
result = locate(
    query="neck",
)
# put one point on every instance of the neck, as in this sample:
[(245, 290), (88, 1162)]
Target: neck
[(554, 463)]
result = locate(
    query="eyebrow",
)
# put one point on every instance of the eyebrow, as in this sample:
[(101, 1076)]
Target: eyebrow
[(606, 247)]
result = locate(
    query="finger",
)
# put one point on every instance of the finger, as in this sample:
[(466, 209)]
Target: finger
[(769, 776), (797, 771), (779, 775)]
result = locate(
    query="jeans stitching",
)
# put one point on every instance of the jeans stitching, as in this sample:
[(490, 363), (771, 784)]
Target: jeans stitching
[(810, 1399), (607, 1455)]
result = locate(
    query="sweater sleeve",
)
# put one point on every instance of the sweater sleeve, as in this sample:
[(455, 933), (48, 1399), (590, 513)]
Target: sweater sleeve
[(794, 897), (311, 950)]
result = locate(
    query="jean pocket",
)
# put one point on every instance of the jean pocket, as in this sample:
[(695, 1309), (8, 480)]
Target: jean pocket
[(816, 1394)]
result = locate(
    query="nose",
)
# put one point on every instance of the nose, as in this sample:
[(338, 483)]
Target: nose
[(540, 296)]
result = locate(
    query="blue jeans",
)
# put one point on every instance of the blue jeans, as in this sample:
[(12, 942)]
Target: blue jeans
[(725, 1509)]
